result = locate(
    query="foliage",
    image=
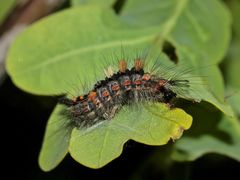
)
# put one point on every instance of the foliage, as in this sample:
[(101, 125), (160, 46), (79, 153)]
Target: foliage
[(48, 57)]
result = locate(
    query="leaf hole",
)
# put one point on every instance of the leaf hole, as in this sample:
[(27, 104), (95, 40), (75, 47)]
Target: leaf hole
[(170, 51), (118, 5)]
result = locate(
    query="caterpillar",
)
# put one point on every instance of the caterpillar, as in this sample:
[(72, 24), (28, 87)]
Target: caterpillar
[(125, 87)]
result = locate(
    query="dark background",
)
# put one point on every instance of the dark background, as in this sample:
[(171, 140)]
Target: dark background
[(24, 117)]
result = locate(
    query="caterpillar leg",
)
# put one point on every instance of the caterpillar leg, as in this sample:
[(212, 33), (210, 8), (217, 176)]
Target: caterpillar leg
[(170, 105), (110, 114), (66, 101)]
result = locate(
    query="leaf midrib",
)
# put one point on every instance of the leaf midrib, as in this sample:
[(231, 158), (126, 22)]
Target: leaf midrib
[(83, 50), (171, 22), (169, 25)]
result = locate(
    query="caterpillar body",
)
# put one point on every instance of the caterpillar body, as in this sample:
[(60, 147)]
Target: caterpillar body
[(125, 87)]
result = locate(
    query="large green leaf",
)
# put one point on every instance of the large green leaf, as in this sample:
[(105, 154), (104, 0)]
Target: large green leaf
[(234, 99), (234, 6), (153, 125), (47, 60), (70, 48), (189, 24), (232, 77), (56, 140), (62, 50), (192, 29), (211, 133), (5, 7), (104, 3), (232, 62)]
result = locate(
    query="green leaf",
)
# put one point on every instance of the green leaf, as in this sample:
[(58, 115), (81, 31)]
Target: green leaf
[(56, 140), (232, 77), (201, 83), (152, 125), (211, 133), (234, 98), (232, 63), (189, 24), (5, 7), (103, 3), (45, 60), (234, 6), (73, 48), (140, 13), (192, 29)]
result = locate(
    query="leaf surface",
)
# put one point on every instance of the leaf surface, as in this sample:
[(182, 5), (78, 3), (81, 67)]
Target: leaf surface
[(104, 3), (152, 125), (47, 60), (56, 140)]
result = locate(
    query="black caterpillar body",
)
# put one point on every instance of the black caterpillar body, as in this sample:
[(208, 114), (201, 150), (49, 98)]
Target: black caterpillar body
[(125, 87)]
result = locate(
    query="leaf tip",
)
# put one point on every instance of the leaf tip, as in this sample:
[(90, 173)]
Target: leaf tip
[(43, 165), (177, 133)]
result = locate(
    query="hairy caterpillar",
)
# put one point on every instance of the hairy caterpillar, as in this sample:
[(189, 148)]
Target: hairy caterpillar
[(125, 87)]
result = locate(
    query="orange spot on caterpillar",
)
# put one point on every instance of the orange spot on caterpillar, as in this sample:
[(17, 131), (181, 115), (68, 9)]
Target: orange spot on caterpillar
[(92, 95), (122, 66), (115, 87), (137, 82), (146, 77), (105, 93), (138, 64), (127, 83)]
